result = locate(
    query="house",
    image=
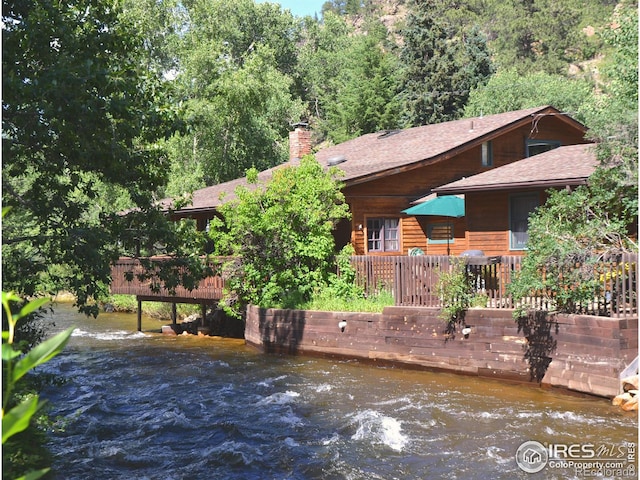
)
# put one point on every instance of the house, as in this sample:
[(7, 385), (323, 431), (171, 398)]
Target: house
[(387, 172), (498, 203)]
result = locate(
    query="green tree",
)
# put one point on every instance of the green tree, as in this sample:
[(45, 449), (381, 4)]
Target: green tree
[(574, 230), (542, 35), (613, 118), (236, 59), (321, 66), (508, 90), (81, 118), (428, 61), (280, 235), (160, 23), (365, 96), (441, 64)]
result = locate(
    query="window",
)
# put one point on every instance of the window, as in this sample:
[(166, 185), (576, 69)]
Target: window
[(440, 233), (382, 235), (535, 147), (520, 208), (487, 154)]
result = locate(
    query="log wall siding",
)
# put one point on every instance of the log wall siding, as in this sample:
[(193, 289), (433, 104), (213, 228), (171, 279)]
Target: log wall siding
[(389, 195), (488, 226), (587, 354)]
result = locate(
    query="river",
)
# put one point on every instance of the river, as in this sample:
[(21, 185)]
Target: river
[(140, 405)]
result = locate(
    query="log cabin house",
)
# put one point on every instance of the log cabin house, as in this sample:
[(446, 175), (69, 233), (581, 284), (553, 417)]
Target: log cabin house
[(388, 172)]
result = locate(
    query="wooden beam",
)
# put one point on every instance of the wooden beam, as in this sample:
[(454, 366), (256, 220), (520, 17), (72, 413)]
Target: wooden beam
[(167, 299), (139, 315)]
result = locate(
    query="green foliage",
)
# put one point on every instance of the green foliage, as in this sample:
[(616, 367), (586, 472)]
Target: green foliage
[(440, 65), (365, 90), (342, 284), (280, 235), (342, 294), (561, 252), (325, 301), (321, 67), (541, 35), (17, 413), (343, 7), (82, 115), (509, 90), (456, 294), (574, 230), (236, 61)]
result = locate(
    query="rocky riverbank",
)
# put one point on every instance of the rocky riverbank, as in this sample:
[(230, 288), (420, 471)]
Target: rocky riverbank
[(216, 323), (628, 401)]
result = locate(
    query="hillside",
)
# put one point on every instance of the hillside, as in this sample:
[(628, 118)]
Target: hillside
[(558, 38)]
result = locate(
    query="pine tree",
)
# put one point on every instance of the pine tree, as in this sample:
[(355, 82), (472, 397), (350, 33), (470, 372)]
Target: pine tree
[(433, 88)]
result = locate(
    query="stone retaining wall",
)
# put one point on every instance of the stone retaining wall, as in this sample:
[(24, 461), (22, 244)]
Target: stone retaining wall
[(581, 353)]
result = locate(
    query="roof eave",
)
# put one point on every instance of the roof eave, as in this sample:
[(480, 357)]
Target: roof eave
[(565, 182)]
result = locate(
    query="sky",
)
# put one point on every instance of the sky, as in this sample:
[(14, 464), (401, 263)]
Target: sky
[(299, 7)]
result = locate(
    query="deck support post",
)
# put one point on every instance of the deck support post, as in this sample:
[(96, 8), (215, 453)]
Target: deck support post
[(204, 314), (174, 313), (139, 315)]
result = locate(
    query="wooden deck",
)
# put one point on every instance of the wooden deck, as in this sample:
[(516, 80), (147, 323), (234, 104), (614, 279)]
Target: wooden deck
[(208, 292)]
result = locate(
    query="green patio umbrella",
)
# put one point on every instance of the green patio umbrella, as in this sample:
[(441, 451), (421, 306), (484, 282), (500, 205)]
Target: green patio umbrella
[(444, 206)]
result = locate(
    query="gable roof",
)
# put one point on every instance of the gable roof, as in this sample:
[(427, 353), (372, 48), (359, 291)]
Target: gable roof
[(376, 155), (562, 166)]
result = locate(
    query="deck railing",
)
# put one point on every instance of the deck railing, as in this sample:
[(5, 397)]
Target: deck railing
[(125, 280), (412, 280)]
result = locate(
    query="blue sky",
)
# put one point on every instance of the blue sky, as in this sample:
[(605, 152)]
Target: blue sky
[(299, 7)]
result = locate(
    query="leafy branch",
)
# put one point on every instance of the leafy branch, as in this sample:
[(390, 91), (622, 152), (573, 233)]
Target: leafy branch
[(16, 418)]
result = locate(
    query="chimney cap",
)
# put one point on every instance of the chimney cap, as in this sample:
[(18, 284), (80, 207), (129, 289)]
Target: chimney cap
[(300, 124)]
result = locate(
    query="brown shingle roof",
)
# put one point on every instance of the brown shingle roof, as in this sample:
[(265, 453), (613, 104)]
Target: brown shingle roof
[(379, 154), (569, 165)]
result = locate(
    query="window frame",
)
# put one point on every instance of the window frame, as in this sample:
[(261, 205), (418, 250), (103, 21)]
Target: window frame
[(513, 245), (431, 226), (486, 153), (383, 234), (533, 142)]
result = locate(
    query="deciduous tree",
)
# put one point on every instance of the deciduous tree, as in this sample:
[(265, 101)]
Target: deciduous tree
[(81, 118), (280, 234)]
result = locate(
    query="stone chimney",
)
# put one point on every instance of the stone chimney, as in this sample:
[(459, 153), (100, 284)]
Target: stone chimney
[(299, 141)]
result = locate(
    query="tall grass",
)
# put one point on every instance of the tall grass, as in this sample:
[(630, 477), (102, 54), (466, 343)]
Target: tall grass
[(326, 301)]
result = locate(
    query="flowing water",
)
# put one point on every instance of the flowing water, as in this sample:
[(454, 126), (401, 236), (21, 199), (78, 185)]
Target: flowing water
[(139, 405)]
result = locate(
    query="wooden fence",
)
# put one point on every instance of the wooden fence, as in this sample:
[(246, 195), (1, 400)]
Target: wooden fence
[(413, 280)]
